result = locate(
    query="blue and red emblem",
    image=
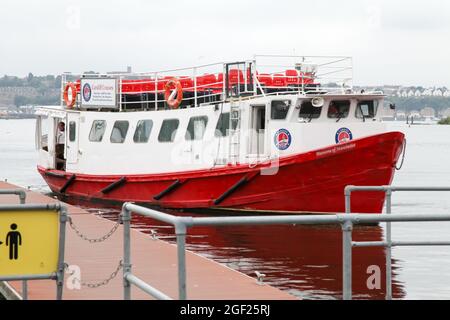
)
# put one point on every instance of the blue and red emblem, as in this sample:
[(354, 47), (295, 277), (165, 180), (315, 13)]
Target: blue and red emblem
[(343, 135), (87, 92), (282, 139)]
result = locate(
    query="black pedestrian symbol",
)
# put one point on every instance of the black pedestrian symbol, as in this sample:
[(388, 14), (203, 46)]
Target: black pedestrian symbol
[(13, 240)]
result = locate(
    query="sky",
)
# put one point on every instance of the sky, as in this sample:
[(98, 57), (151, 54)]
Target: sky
[(391, 42)]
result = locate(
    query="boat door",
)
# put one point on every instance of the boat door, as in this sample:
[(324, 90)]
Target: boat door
[(258, 130), (72, 137)]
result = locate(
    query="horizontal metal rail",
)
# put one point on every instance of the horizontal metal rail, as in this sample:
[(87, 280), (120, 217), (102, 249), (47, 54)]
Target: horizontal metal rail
[(32, 207), (346, 221), (21, 193), (46, 276), (399, 243), (349, 189), (388, 244), (146, 287)]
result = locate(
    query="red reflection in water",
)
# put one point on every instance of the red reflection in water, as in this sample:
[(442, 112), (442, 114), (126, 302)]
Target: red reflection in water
[(304, 260)]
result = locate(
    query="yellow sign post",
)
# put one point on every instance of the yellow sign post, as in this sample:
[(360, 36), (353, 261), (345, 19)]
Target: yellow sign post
[(28, 242), (32, 242)]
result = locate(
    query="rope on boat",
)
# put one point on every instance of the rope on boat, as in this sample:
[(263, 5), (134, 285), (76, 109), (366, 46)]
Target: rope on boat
[(403, 156)]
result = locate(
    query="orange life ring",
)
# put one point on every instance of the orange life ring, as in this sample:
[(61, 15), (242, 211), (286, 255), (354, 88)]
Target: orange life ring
[(70, 103), (169, 94)]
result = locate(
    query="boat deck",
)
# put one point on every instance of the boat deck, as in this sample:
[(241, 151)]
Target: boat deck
[(154, 261)]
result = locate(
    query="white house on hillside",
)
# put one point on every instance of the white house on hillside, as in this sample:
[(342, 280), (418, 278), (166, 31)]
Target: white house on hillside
[(437, 93)]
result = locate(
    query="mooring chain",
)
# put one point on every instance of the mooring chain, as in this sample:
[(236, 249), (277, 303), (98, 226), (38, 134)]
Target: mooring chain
[(93, 285), (91, 240)]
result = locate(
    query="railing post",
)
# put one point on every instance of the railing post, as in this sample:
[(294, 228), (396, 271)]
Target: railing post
[(63, 83), (24, 290), (347, 194), (388, 248), (126, 218), (347, 228), (254, 78), (156, 91), (62, 243), (22, 197), (303, 76), (180, 231), (195, 87), (119, 89)]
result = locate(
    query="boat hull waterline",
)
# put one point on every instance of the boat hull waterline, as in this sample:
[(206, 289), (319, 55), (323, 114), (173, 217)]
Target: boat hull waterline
[(313, 181)]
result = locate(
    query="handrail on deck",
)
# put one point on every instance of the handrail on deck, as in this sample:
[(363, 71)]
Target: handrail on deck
[(232, 79), (345, 220)]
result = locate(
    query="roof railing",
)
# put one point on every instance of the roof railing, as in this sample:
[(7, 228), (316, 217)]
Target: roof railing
[(217, 82)]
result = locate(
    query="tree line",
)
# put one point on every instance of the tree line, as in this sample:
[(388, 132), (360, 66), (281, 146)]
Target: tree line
[(44, 85), (418, 103), (48, 81)]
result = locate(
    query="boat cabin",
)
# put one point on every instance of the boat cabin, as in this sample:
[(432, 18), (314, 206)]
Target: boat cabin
[(240, 113)]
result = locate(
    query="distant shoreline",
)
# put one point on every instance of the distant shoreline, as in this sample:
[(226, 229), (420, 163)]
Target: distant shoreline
[(18, 117)]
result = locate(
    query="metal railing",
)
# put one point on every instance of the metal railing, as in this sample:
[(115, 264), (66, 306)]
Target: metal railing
[(128, 278), (145, 90), (388, 243), (181, 224), (21, 193)]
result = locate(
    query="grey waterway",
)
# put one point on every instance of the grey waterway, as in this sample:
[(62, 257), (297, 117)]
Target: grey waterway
[(419, 272)]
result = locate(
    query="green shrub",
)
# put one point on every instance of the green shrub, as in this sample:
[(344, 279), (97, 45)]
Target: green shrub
[(444, 121)]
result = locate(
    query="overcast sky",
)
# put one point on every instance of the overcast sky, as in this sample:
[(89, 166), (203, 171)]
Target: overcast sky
[(392, 42)]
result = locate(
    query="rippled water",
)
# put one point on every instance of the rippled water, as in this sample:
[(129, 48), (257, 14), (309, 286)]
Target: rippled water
[(304, 260)]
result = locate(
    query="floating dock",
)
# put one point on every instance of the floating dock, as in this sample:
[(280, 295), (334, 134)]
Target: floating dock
[(154, 261)]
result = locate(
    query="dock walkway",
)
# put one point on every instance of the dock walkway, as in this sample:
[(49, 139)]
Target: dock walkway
[(154, 261)]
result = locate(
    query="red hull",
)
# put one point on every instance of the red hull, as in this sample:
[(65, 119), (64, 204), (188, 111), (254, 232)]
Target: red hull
[(307, 182)]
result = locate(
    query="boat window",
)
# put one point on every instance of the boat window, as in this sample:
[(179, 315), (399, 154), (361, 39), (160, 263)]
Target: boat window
[(97, 130), (196, 128), (168, 130), (279, 109), (338, 109), (143, 129), (222, 125), (72, 131), (367, 109), (119, 131), (308, 111)]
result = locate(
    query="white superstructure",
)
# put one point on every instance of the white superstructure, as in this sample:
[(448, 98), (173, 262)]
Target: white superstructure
[(246, 113)]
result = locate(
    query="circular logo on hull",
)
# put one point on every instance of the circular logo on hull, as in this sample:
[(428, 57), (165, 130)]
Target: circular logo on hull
[(343, 135), (87, 92), (282, 139)]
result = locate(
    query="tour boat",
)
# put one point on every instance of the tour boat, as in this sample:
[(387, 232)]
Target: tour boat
[(278, 134)]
